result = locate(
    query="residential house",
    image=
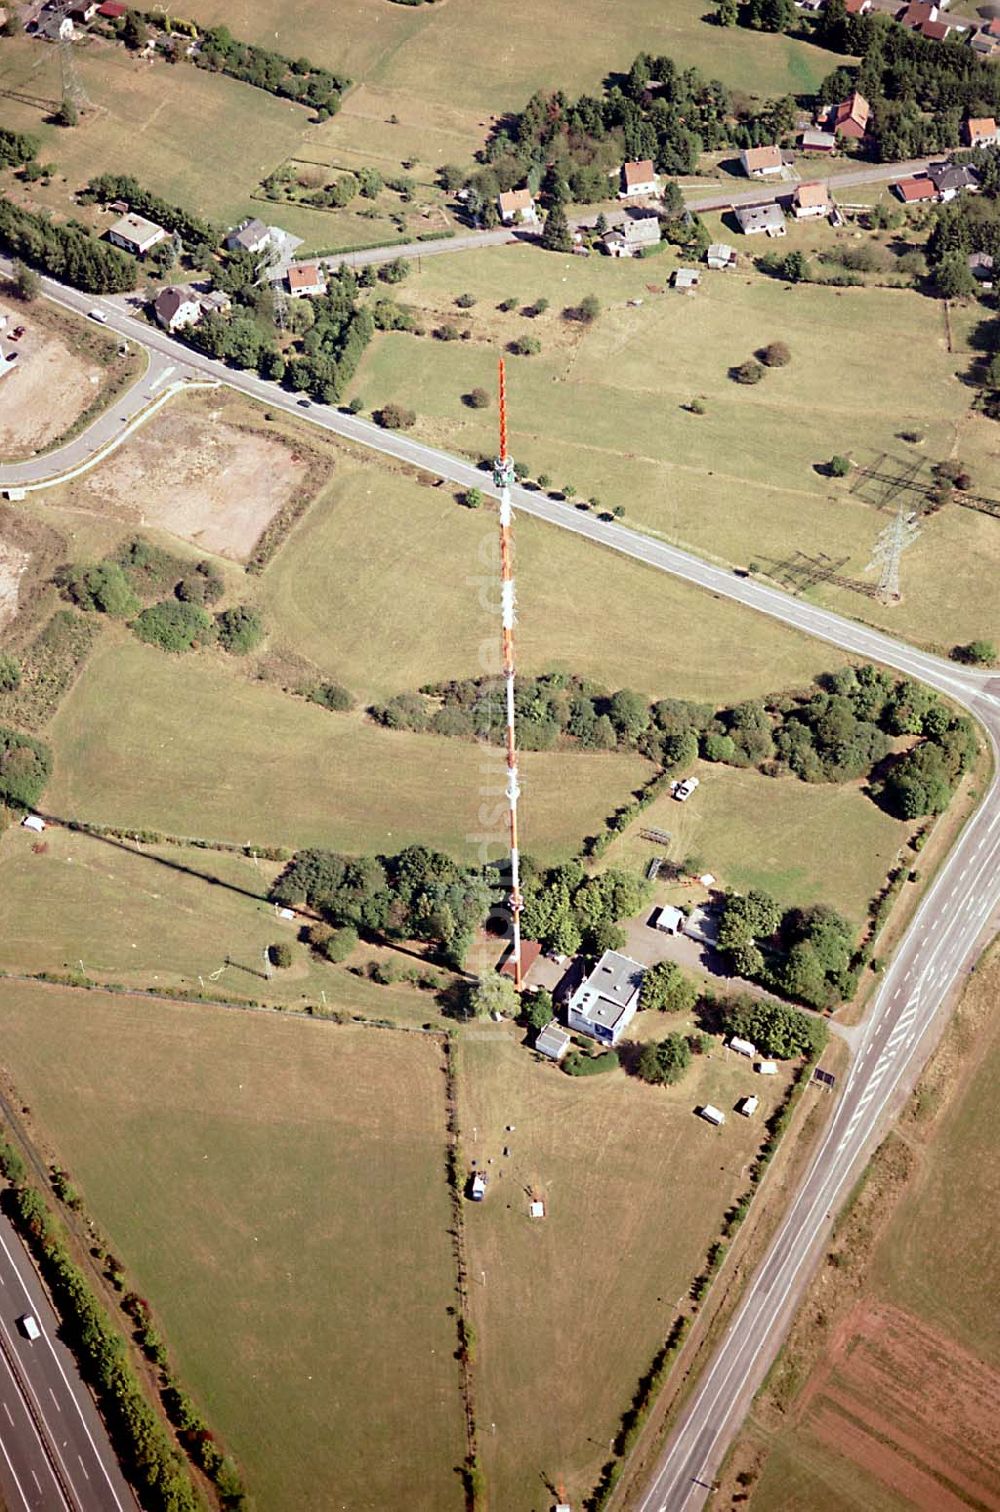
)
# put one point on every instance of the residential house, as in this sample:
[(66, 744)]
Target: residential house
[(249, 236), (638, 179), (811, 200), (917, 14), (552, 1041), (305, 278), (985, 45), (950, 179), (606, 1001), (912, 190), (720, 255), (177, 306), (111, 10), (83, 13), (857, 7), (761, 162), (814, 140), (752, 219), (850, 117), (517, 208), (981, 268), (136, 235), (981, 131), (632, 236)]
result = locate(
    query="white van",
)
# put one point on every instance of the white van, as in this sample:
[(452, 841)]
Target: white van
[(28, 1325), (97, 315)]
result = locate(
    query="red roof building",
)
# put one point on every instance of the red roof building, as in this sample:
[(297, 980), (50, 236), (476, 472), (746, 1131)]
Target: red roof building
[(850, 117), (111, 10), (530, 951), (912, 190)]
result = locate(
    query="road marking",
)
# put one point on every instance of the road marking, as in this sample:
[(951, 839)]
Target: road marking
[(162, 378), (37, 1482), (53, 1396), (9, 1418), (83, 1466)]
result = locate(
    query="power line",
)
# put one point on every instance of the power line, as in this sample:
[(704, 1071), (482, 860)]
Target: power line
[(503, 477)]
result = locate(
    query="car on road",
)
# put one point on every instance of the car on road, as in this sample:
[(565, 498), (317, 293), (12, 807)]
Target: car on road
[(305, 404), (97, 315), (28, 1324)]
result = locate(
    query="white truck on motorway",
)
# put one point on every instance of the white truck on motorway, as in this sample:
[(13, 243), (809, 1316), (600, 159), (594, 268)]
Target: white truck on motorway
[(28, 1324)]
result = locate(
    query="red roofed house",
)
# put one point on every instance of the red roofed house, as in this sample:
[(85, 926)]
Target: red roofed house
[(638, 178), (305, 278), (517, 207), (916, 14), (850, 117), (857, 7), (935, 31), (111, 10), (810, 200), (981, 131), (911, 190), (761, 162)]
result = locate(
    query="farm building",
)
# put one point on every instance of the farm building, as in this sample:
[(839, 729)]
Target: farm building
[(637, 179), (305, 278), (815, 140), (606, 1001), (702, 924), (912, 190), (686, 278), (249, 236), (671, 920), (811, 200), (136, 235), (761, 162), (552, 1042), (981, 131), (720, 255), (517, 207), (753, 219), (629, 239)]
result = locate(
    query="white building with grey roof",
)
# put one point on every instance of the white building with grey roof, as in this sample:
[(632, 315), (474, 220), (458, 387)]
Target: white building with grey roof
[(606, 1001)]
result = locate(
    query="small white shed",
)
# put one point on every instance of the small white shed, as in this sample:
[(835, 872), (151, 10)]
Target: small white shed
[(766, 1068), (748, 1106), (34, 822), (712, 1115), (670, 920), (743, 1047)]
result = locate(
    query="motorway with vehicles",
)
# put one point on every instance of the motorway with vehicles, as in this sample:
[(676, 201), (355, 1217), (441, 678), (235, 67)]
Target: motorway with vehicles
[(957, 916)]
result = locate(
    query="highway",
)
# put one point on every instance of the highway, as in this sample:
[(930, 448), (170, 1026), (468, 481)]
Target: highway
[(902, 1023), (54, 1451)]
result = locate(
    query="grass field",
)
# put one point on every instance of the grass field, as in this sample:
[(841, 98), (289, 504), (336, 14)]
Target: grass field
[(564, 1327), (898, 1407), (606, 409), (277, 1190), (186, 746), (373, 630), (802, 842)]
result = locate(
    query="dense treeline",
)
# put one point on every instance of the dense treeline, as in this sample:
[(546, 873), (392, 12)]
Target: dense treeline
[(148, 1457), (657, 110), (919, 90), (804, 953), (16, 148), (289, 78), (66, 251), (418, 894), (837, 732), (193, 230)]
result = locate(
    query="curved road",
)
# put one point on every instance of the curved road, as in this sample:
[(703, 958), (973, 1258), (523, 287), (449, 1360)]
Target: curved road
[(902, 1023)]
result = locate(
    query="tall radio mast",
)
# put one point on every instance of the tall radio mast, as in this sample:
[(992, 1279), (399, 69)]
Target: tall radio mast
[(503, 477)]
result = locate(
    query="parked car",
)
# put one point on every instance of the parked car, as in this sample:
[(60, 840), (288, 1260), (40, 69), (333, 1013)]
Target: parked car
[(683, 790)]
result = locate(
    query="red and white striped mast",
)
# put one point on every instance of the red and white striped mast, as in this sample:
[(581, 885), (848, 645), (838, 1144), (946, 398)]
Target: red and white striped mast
[(503, 477)]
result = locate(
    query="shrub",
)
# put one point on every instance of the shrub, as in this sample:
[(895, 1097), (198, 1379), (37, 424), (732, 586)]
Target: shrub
[(748, 372), (395, 417), (10, 673), (506, 305), (977, 653), (465, 301), (696, 407), (526, 346), (280, 954), (239, 630), (576, 1064), (839, 466), (472, 498), (406, 711), (173, 626), (775, 354), (202, 585), (339, 943), (394, 272), (25, 767), (331, 695), (103, 587), (478, 398), (538, 308)]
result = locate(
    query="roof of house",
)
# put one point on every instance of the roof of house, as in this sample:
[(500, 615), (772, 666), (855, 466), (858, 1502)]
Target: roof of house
[(609, 991), (759, 217), (169, 300), (913, 189), (916, 14), (304, 276), (855, 108), (993, 27), (809, 196), (952, 175), (530, 951), (136, 228), (638, 173), (720, 252), (855, 7), (642, 230), (980, 260), (757, 158), (111, 9), (248, 233), (552, 1040), (935, 31), (670, 918), (981, 126), (685, 278), (812, 137), (515, 200)]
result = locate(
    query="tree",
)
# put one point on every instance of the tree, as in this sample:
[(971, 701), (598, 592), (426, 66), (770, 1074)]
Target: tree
[(770, 15), (473, 498), (395, 417), (492, 994), (953, 279), (239, 630), (588, 309), (27, 284), (103, 587), (977, 653), (665, 1063), (173, 626), (394, 272), (478, 398), (775, 354), (775, 1028), (135, 32), (748, 372), (537, 1010), (727, 12), (280, 954), (665, 987), (556, 235), (629, 713), (339, 943), (839, 466), (25, 767), (10, 673), (526, 346)]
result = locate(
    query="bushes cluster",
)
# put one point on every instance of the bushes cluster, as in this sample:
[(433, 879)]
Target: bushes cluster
[(16, 148), (173, 626), (417, 894), (239, 630), (566, 910), (193, 230), (329, 695), (804, 953), (577, 1064), (102, 587), (65, 250), (25, 768), (777, 1029), (664, 986)]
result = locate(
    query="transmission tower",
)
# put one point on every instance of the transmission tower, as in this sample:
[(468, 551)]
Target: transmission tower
[(888, 549), (73, 92), (503, 477)]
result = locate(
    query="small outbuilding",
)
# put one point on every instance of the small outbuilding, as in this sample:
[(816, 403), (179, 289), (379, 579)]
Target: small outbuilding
[(33, 822), (721, 255), (743, 1047), (536, 1209), (814, 139), (712, 1115), (766, 1068), (477, 1189), (552, 1041), (670, 920), (913, 190), (748, 1106), (686, 278)]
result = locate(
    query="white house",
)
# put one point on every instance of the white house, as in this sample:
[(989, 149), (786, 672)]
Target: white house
[(720, 255), (762, 162), (810, 201), (176, 307), (249, 236), (752, 219), (605, 1003), (981, 131), (136, 235), (517, 207), (638, 179), (552, 1042)]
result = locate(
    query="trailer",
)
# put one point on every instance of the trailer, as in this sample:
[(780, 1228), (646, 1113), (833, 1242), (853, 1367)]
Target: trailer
[(712, 1115)]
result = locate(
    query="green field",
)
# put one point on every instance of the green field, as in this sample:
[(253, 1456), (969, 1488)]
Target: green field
[(424, 607), (184, 745), (277, 1189), (606, 409), (564, 1327), (802, 842)]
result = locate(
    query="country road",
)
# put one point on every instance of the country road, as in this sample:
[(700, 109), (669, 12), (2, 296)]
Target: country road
[(956, 917)]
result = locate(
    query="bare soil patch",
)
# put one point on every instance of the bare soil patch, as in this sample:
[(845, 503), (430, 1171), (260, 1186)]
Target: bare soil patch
[(47, 390), (13, 561), (212, 483)]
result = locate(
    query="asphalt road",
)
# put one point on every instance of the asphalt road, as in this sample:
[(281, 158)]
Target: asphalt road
[(764, 191), (901, 1025), (54, 1452)]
